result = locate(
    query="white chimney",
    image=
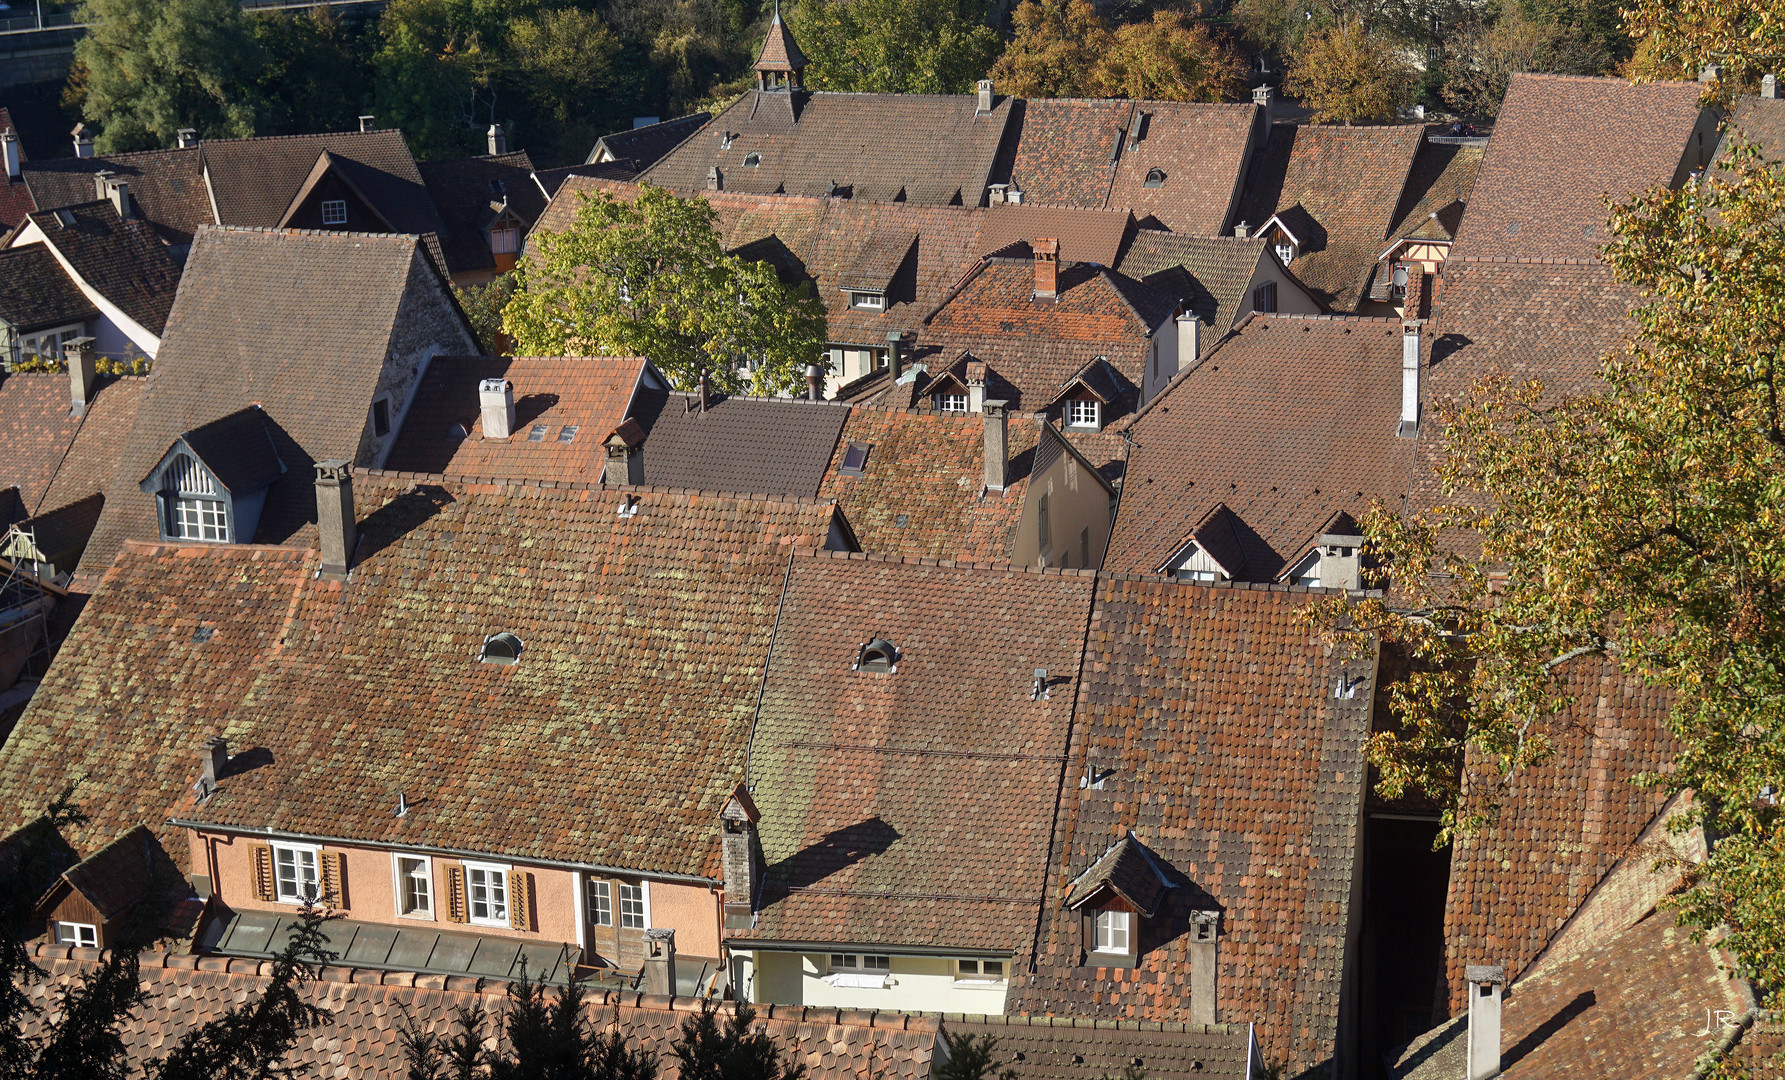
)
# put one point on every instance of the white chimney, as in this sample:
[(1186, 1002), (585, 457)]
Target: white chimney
[(1205, 962), (1769, 87), (186, 138), (1341, 560), (985, 97), (9, 147), (368, 123), (1189, 340), (118, 191), (496, 399), (997, 445), (1409, 379), (1264, 98), (976, 387), (83, 141), (1485, 981), (498, 140), (1241, 230)]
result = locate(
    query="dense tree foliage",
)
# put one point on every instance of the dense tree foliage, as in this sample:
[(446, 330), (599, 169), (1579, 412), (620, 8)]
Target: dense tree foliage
[(894, 46), (1349, 75), (1064, 48), (1641, 524), (1057, 45), (1485, 54), (648, 277), (147, 68), (1679, 38)]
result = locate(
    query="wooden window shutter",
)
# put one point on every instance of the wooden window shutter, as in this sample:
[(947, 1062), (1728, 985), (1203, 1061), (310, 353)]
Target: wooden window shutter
[(455, 894), (520, 897), (333, 868), (263, 871)]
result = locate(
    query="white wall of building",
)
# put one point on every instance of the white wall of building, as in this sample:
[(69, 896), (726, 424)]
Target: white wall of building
[(914, 984)]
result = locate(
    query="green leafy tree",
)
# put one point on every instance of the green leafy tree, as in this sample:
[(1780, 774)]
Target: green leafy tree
[(1679, 38), (895, 46), (648, 277), (483, 306), (1348, 75), (706, 1049), (563, 64), (314, 77), (439, 65), (151, 67), (970, 1057), (1057, 46), (1484, 56), (1642, 525), (1169, 58)]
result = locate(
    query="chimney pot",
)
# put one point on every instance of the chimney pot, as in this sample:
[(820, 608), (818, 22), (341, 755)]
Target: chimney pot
[(1265, 98), (213, 759), (83, 141), (335, 525), (997, 444), (368, 123), (660, 961), (706, 392), (1047, 268), (985, 97), (815, 382), (1205, 959), (186, 138), (1485, 983), (1409, 379), (495, 398), (625, 458), (82, 375), (498, 140), (895, 354), (1241, 230), (975, 386), (9, 149), (1769, 87)]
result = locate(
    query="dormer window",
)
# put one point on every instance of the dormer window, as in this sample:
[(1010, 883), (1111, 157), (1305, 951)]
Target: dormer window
[(753, 159), (1286, 251), (878, 655), (198, 512), (501, 648), (1155, 178), (1114, 932), (1308, 571), (867, 301), (211, 483), (951, 403), (1084, 413), (334, 211)]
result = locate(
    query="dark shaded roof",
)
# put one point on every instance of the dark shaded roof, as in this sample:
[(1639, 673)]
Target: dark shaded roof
[(1085, 235), (1345, 183), (300, 323), (1439, 186), (469, 193), (1291, 419), (875, 265), (36, 293), (586, 395), (927, 149), (882, 792), (295, 665), (168, 186), (1219, 267), (236, 449), (765, 446), (117, 875), (36, 428), (642, 147), (550, 180), (1561, 144), (1211, 719), (255, 180), (66, 528), (15, 196), (1126, 870), (1061, 1048), (120, 259)]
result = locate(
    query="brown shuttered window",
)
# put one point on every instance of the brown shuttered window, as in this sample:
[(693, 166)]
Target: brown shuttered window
[(455, 893), (520, 899), (334, 878), (263, 872)]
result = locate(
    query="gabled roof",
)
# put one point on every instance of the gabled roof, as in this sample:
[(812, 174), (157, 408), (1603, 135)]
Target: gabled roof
[(875, 265), (550, 180), (880, 792), (1290, 419), (1220, 535), (1561, 144), (641, 147), (36, 293), (1762, 121), (470, 193), (1085, 235), (168, 186), (1440, 185), (772, 446), (58, 533), (362, 689), (341, 169), (119, 259), (118, 875), (255, 180), (1337, 188), (1220, 269), (236, 449), (579, 400), (1126, 870), (1057, 1048), (1210, 719)]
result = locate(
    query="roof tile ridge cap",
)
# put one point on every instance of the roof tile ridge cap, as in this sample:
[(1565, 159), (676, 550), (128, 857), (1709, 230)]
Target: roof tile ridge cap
[(272, 138)]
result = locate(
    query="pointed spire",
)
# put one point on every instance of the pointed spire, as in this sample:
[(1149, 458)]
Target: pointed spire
[(780, 61), (777, 21)]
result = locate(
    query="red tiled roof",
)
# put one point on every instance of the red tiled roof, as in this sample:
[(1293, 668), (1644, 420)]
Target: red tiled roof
[(93, 454), (1065, 150), (1085, 235), (764, 446), (1289, 421), (120, 259), (640, 147), (1211, 718), (443, 431), (1561, 145), (36, 428)]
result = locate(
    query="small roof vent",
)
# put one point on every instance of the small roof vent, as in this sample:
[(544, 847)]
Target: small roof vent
[(501, 648), (877, 655), (753, 159), (1155, 178)]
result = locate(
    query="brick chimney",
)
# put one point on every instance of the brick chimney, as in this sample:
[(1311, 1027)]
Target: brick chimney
[(625, 455), (985, 98), (83, 141), (495, 399), (1413, 307), (498, 140), (186, 138), (660, 961), (1485, 981), (1205, 959), (895, 354), (213, 759), (78, 355), (997, 444), (9, 149), (737, 834), (335, 525), (1047, 269), (368, 123), (1409, 428)]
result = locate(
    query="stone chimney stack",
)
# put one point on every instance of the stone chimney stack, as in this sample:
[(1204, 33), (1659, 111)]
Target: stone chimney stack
[(1265, 98), (1205, 959), (213, 758), (83, 141), (1047, 269), (82, 375), (737, 834), (368, 122), (9, 149), (715, 179), (335, 525), (997, 444), (1769, 87), (976, 386), (118, 191), (1189, 340), (1485, 983), (1409, 379), (815, 382), (985, 98), (1413, 306), (660, 961), (498, 140), (186, 138), (495, 398), (1341, 560), (1240, 230), (895, 354), (625, 455)]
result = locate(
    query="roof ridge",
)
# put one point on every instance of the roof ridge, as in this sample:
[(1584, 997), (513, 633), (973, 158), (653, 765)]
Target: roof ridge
[(311, 135), (1607, 79), (764, 397), (590, 485), (1242, 586), (981, 565), (274, 230), (1516, 261), (1328, 316), (1099, 1023)]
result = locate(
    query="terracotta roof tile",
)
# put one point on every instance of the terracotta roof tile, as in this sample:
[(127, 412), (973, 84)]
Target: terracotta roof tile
[(1220, 269), (1761, 120), (36, 428), (93, 455), (1085, 235), (1211, 718), (168, 186), (1043, 1048), (1443, 175), (36, 293), (255, 180), (121, 260), (771, 446)]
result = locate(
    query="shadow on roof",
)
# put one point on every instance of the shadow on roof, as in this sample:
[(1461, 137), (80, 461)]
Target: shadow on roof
[(397, 518), (839, 849)]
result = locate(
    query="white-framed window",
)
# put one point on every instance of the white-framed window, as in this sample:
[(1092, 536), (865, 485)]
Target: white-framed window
[(86, 935), (47, 344), (1187, 574), (1084, 412), (200, 519), (486, 893), (334, 211), (1286, 251), (951, 403), (505, 239), (982, 971), (295, 876), (867, 301), (1112, 931), (415, 886), (601, 903), (635, 906), (869, 962)]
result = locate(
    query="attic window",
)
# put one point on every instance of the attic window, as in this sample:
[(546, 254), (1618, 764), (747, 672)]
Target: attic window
[(1264, 298), (501, 648), (1113, 932), (334, 211), (855, 459), (1286, 251), (497, 187), (568, 432), (951, 403), (196, 509), (1084, 413), (753, 159), (867, 301), (878, 655), (505, 239), (537, 433), (1155, 178)]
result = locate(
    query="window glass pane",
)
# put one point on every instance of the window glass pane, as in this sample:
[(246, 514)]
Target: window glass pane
[(969, 967), (1112, 931), (503, 241), (601, 904), (415, 887), (993, 969), (632, 906), (488, 893), (294, 873), (334, 211), (85, 935)]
